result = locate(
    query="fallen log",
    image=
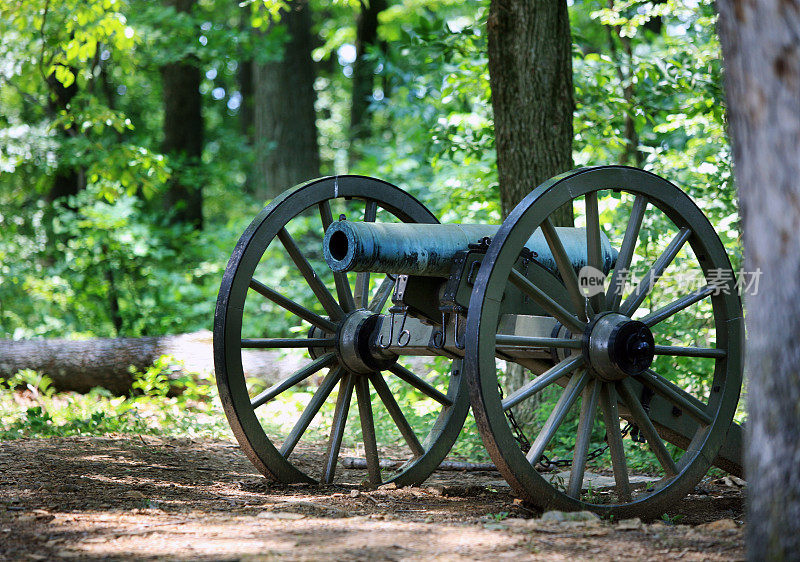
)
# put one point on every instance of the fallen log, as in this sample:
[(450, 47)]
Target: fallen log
[(81, 365)]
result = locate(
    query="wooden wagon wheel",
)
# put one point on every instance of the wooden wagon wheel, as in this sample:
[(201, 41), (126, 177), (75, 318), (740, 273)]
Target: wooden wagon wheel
[(604, 366), (276, 277)]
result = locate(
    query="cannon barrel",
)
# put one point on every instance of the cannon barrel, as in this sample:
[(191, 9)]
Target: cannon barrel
[(429, 249)]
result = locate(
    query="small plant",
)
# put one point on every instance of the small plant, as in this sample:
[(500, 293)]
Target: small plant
[(500, 516), (38, 420), (591, 494), (154, 382), (33, 381), (671, 520), (558, 482)]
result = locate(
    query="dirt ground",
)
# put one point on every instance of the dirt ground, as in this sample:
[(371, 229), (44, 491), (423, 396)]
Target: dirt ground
[(147, 498)]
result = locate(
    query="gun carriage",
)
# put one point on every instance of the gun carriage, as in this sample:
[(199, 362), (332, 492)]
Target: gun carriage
[(386, 283)]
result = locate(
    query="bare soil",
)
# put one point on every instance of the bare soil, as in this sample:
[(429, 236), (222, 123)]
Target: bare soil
[(123, 498)]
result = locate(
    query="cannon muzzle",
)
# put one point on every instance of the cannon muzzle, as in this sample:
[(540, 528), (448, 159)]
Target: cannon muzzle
[(429, 249)]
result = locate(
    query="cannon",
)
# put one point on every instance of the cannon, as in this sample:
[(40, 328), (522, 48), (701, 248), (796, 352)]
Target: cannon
[(360, 275)]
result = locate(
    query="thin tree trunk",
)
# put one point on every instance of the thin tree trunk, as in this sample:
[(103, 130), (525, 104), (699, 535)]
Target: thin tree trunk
[(113, 294), (761, 47), (287, 151), (246, 89), (68, 179), (530, 73), (364, 69), (631, 154), (183, 133)]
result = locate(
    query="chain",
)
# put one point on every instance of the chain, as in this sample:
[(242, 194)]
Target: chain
[(546, 464), (519, 436)]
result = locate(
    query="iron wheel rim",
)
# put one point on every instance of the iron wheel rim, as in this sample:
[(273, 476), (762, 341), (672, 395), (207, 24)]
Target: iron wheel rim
[(483, 310), (239, 272)]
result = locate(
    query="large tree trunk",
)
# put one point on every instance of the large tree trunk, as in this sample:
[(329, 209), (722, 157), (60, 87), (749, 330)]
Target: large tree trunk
[(364, 69), (285, 120), (530, 73), (183, 133), (761, 44)]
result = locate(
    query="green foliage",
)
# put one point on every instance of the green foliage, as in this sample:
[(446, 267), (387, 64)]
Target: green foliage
[(108, 261), (30, 408)]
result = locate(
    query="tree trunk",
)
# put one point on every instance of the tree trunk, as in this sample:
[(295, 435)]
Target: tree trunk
[(364, 69), (530, 74), (244, 77), (631, 155), (761, 47), (183, 133), (68, 179), (285, 120)]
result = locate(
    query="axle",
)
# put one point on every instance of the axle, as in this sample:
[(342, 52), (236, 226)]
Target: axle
[(429, 249)]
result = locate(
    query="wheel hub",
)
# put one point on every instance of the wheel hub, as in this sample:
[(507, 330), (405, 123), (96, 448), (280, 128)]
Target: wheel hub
[(355, 343), (616, 347)]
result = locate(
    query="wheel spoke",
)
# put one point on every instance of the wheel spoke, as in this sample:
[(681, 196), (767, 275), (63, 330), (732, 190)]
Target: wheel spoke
[(370, 211), (318, 364), (286, 343), (296, 309), (382, 295), (317, 286), (311, 410), (337, 428), (368, 430), (608, 402), (565, 269), (396, 413), (676, 395), (343, 290), (641, 419), (617, 284), (562, 407), (542, 381), (362, 289), (507, 340), (422, 385), (325, 214), (676, 306), (707, 352), (593, 245), (362, 278), (654, 273), (546, 302), (583, 438)]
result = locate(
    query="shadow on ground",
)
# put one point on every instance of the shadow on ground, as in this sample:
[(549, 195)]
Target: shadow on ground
[(147, 498)]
